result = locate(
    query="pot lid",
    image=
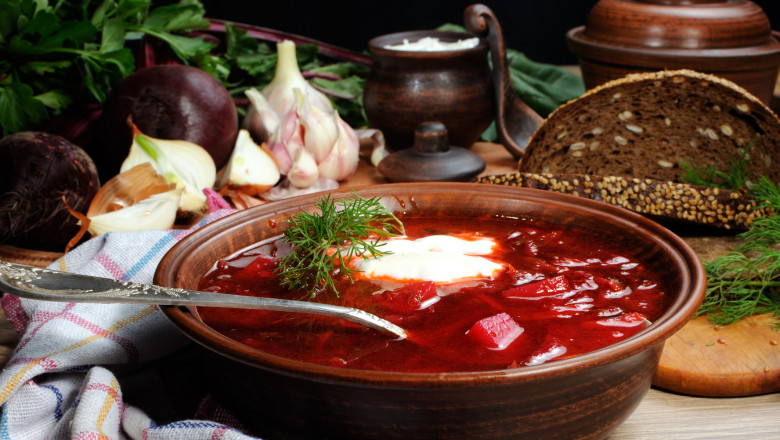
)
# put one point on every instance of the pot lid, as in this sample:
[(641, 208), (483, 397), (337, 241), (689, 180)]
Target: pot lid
[(706, 28), (431, 158)]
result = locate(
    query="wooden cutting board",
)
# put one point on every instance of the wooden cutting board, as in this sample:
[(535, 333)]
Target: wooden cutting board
[(741, 359), (702, 359)]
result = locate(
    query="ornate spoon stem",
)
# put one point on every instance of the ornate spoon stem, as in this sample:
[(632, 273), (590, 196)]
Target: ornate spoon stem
[(47, 285)]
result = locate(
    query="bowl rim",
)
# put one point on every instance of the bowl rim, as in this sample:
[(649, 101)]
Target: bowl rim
[(677, 314)]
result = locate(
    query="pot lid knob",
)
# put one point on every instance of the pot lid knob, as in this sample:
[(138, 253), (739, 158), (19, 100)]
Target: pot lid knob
[(431, 158)]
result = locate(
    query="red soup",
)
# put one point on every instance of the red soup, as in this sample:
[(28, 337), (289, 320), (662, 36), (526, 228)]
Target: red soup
[(508, 293)]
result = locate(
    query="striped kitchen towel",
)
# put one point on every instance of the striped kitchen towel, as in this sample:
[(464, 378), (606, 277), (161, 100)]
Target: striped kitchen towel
[(83, 371)]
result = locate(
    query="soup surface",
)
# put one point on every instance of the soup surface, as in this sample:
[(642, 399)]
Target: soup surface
[(481, 294)]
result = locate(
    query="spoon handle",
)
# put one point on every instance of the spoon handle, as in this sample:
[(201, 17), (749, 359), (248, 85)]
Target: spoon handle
[(45, 284)]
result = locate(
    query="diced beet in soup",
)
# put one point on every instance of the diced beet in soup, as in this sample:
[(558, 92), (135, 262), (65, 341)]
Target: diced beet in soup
[(496, 332), (539, 293)]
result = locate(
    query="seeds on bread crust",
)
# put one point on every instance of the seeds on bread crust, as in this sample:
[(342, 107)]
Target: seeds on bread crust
[(662, 200)]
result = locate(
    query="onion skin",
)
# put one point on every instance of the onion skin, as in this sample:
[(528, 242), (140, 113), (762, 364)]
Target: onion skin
[(174, 102), (40, 169)]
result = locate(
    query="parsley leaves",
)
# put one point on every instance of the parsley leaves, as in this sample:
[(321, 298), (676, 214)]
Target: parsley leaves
[(53, 54)]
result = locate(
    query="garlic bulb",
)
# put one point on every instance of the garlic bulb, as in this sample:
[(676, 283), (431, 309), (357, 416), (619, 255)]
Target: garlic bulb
[(251, 168), (155, 212), (183, 163), (279, 92), (312, 142), (329, 143)]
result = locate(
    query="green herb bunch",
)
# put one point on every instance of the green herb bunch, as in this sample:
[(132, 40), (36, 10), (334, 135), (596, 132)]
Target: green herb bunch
[(54, 53), (746, 281), (57, 53), (323, 242)]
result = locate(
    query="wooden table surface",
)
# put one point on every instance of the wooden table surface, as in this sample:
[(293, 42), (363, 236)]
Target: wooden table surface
[(661, 415)]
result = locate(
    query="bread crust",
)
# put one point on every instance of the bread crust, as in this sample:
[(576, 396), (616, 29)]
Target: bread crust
[(660, 200)]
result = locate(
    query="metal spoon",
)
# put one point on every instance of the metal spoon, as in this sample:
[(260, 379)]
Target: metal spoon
[(47, 285)]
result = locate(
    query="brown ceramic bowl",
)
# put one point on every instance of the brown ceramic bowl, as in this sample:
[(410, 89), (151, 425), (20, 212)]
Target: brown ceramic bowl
[(728, 38), (583, 397)]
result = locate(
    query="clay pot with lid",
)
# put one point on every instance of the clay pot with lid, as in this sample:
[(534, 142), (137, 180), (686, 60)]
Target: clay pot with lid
[(728, 38), (406, 88)]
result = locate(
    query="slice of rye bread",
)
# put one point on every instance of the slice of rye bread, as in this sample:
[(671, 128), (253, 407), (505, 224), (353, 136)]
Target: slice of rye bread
[(622, 143), (645, 125), (664, 201)]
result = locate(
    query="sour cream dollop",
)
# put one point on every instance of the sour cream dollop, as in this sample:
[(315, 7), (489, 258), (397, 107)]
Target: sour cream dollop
[(437, 258)]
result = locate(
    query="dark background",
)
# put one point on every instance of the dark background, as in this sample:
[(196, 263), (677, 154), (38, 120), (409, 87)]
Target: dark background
[(537, 28)]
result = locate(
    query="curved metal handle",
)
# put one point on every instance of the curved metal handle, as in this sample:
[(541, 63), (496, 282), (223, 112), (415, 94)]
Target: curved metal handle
[(515, 120), (45, 284)]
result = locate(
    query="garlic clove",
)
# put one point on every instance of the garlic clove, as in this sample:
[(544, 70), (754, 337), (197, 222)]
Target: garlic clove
[(183, 163), (261, 120), (304, 171), (285, 142), (320, 127), (279, 151), (251, 168), (279, 92), (372, 140), (156, 212), (342, 160)]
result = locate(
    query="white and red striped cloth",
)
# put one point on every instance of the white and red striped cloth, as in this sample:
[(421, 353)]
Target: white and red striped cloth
[(90, 371)]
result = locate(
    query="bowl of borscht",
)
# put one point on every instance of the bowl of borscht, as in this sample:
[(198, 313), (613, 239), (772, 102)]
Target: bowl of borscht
[(529, 315)]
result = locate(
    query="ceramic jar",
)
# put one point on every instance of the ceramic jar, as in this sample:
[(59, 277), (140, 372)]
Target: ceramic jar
[(406, 88), (728, 38)]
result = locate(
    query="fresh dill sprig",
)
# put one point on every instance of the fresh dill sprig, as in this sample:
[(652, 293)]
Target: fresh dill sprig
[(323, 242), (734, 178), (746, 281)]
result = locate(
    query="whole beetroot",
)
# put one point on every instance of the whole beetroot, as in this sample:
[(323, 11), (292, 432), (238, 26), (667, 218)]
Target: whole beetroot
[(39, 169), (167, 102)]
